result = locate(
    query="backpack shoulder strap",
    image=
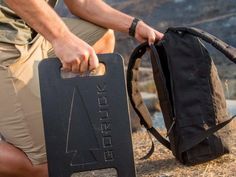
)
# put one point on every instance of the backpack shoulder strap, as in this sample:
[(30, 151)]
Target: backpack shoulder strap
[(135, 96), (132, 85), (227, 50)]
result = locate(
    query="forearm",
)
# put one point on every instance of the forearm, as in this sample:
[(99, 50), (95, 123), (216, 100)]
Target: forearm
[(40, 16), (100, 13)]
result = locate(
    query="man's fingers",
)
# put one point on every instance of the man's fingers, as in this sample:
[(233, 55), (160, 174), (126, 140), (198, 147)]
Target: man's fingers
[(66, 67), (93, 61), (83, 65), (76, 66), (80, 60), (99, 71), (151, 38), (155, 36), (159, 35)]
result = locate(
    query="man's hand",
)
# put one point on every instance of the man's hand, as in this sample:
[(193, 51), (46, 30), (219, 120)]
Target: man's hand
[(146, 33), (75, 54)]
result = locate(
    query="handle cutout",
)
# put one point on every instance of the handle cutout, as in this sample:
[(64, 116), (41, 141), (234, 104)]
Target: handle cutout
[(99, 71)]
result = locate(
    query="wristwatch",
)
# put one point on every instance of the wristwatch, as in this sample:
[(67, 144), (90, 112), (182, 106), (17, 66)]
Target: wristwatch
[(133, 26)]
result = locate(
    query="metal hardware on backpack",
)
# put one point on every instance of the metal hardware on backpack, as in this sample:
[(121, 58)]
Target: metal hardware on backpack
[(190, 94)]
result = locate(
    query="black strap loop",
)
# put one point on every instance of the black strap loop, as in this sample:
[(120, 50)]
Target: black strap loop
[(159, 137), (151, 150)]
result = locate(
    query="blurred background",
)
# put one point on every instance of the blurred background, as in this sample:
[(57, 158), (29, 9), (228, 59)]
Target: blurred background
[(217, 17)]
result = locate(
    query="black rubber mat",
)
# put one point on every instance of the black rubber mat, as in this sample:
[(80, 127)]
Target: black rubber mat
[(86, 119)]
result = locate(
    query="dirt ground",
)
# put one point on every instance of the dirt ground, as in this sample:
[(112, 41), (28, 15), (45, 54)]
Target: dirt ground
[(163, 164)]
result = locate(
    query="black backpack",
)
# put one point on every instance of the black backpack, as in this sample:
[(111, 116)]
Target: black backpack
[(190, 94)]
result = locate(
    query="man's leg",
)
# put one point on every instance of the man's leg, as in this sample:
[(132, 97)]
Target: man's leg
[(24, 108), (23, 142), (14, 163), (106, 44)]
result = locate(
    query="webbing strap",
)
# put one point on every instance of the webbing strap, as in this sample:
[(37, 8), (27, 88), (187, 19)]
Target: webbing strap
[(132, 86), (150, 152), (227, 50), (159, 137), (199, 138), (135, 96)]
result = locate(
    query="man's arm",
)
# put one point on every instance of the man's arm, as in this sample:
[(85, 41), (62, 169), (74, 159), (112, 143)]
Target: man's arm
[(100, 13), (39, 15), (72, 51)]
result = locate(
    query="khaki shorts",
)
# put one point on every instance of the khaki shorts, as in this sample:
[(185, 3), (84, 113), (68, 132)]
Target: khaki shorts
[(20, 108)]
